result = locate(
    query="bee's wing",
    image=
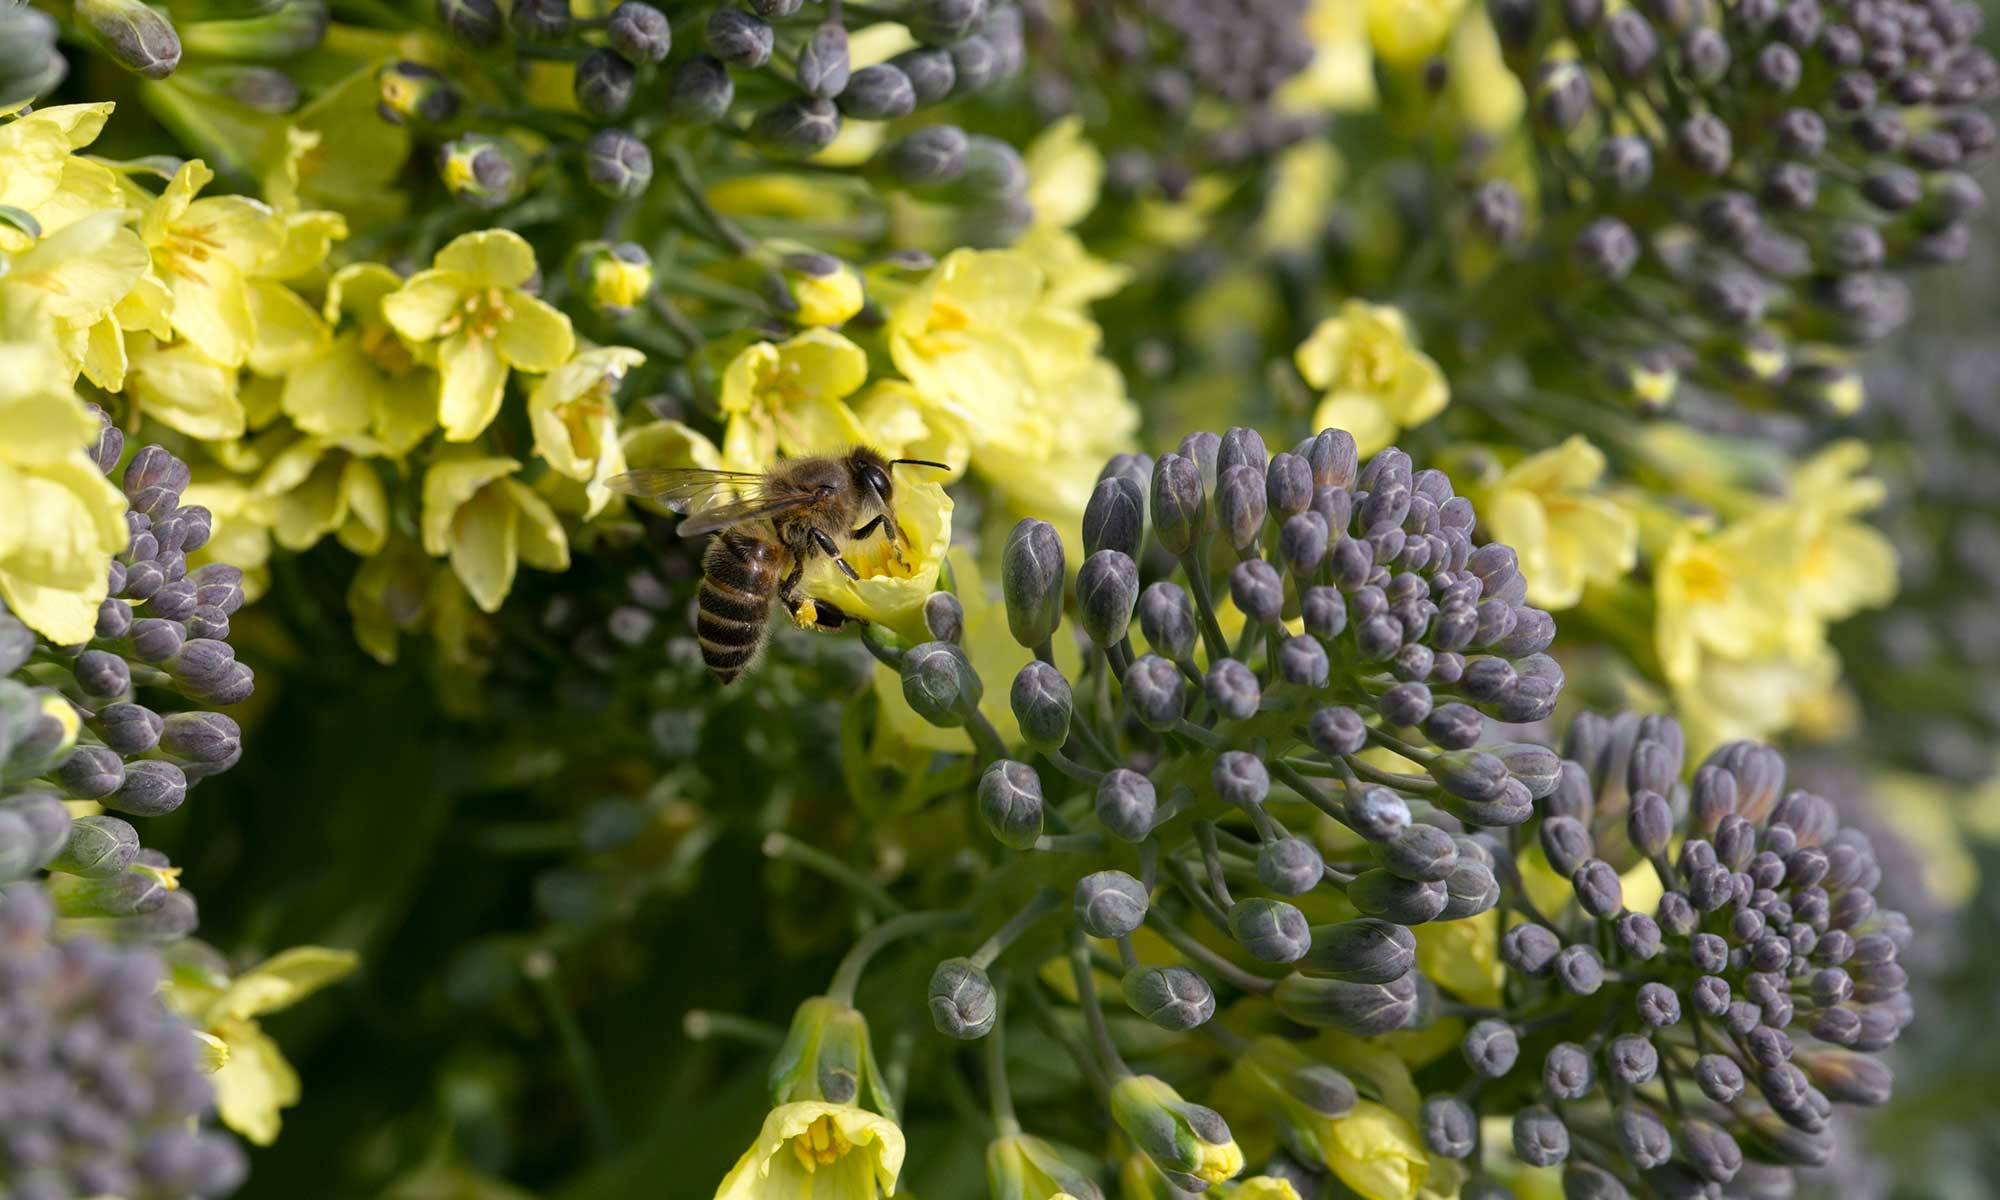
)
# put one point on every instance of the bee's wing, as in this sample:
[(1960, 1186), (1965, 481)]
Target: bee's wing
[(696, 491)]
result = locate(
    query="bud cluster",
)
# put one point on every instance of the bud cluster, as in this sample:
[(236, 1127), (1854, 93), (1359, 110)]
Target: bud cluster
[(1730, 191), (1372, 641), (146, 686), (115, 721), (1697, 1041), (101, 1087)]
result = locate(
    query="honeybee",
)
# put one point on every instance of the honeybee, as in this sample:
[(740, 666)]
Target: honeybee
[(766, 528)]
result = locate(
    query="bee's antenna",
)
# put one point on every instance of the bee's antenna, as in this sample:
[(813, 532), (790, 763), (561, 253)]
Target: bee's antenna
[(917, 462)]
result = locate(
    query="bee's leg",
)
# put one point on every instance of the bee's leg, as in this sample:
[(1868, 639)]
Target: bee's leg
[(871, 527), (826, 544), (826, 616)]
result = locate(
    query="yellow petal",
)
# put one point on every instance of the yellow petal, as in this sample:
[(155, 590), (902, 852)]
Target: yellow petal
[(542, 542), (424, 303), (254, 1084), (489, 258), (1361, 415), (485, 547), (288, 330), (330, 393), (281, 981), (475, 381), (182, 388), (209, 305), (1375, 1152), (448, 485), (536, 338)]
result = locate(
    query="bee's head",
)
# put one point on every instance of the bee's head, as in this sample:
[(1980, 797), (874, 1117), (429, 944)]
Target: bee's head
[(871, 473)]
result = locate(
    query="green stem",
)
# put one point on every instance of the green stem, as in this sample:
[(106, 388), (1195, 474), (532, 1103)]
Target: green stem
[(1040, 905), (1093, 1016), (540, 968), (847, 976), (784, 846), (1000, 1098), (702, 1024)]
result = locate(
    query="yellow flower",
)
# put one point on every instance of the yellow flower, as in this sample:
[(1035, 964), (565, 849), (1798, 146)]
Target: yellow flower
[(983, 338), (76, 276), (1375, 1152), (1181, 1138), (1844, 565), (1566, 536), (203, 252), (488, 524), (63, 520), (1341, 74), (816, 1149), (470, 304), (789, 399), (1377, 383), (45, 178), (576, 421), (1065, 174), (895, 579), (364, 379), (253, 1081), (1407, 34), (318, 486)]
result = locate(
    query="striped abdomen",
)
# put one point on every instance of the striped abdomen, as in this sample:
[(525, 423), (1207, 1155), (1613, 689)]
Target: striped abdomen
[(739, 575)]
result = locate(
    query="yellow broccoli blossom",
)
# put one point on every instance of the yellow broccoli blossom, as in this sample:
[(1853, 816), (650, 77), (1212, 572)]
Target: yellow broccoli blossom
[(363, 379), (1718, 593), (252, 1079), (1376, 382), (317, 486), (1844, 564), (45, 178), (203, 253), (63, 520), (790, 398), (576, 419), (813, 1148), (895, 577), (1566, 535), (1742, 613), (76, 276), (981, 338), (471, 308), (488, 523)]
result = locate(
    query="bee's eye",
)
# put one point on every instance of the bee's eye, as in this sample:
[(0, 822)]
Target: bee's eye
[(877, 481)]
